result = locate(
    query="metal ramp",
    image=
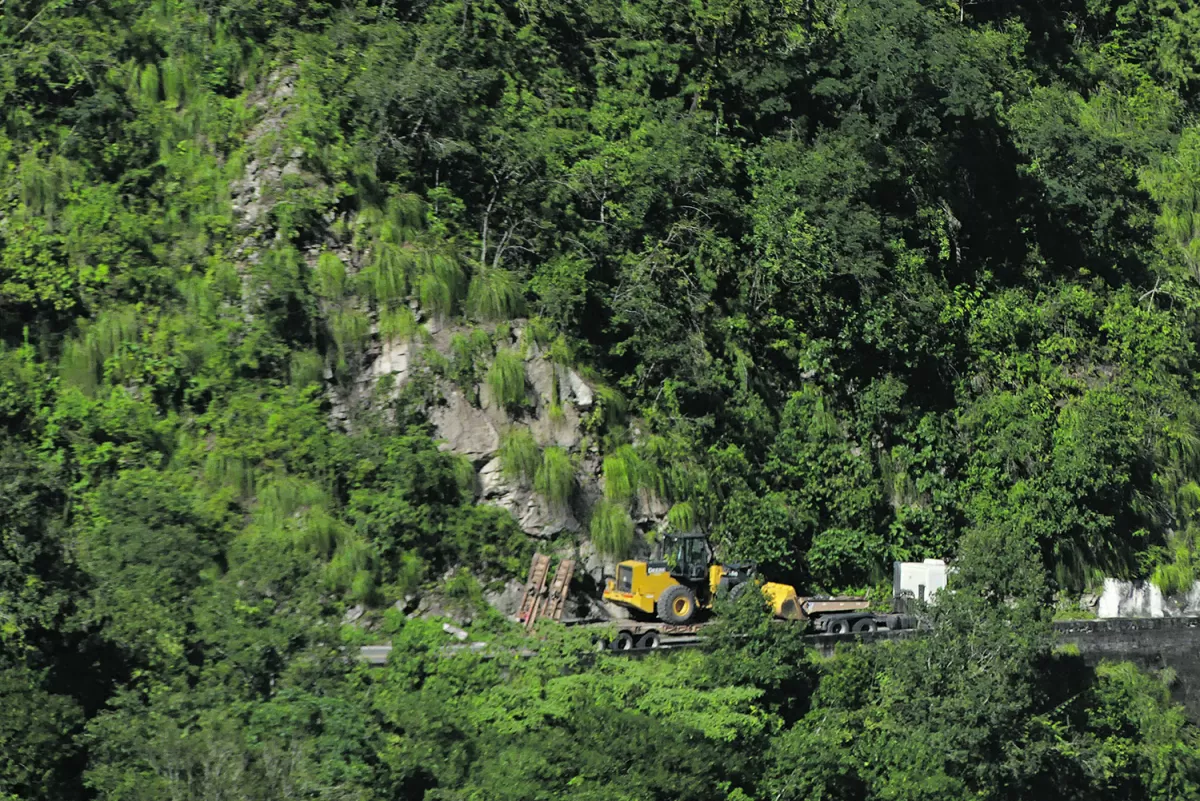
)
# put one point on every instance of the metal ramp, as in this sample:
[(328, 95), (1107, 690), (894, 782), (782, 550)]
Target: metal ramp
[(540, 601), (533, 586)]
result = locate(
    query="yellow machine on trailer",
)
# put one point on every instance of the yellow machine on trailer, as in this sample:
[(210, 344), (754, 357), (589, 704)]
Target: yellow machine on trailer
[(687, 578)]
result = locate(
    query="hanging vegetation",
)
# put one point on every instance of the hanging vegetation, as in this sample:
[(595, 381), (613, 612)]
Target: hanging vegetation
[(555, 479), (520, 456), (612, 529), (506, 378), (493, 294)]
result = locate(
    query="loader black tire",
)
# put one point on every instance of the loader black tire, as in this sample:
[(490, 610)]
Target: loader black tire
[(738, 591), (677, 605)]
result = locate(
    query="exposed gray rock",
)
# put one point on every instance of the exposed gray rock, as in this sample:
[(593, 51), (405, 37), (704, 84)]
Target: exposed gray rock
[(455, 632), (492, 483), (649, 508), (565, 431), (464, 428), (536, 517), (540, 374), (507, 600), (253, 195), (394, 359), (615, 612), (591, 562), (581, 393)]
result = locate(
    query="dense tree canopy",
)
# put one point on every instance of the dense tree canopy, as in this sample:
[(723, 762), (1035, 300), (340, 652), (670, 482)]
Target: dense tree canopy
[(853, 281)]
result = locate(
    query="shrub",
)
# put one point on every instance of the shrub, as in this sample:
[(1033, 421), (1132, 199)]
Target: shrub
[(83, 358), (626, 472), (620, 478), (682, 516), (350, 328), (349, 570), (470, 352), (387, 278), (148, 84), (435, 294), (306, 367)]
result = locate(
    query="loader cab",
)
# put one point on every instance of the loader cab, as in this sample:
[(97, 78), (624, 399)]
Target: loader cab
[(685, 556)]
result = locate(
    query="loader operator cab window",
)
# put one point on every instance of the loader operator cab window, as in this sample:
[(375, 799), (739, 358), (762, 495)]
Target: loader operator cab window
[(687, 557)]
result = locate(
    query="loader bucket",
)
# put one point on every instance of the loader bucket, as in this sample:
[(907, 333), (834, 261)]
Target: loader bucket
[(784, 601)]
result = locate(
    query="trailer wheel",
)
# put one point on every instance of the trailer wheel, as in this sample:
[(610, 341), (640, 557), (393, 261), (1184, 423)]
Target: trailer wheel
[(623, 642), (841, 626), (864, 625), (676, 605), (651, 639)]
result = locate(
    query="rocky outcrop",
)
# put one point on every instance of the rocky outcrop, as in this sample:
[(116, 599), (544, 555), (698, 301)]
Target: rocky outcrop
[(466, 418), (535, 516), (464, 428), (271, 166), (471, 423), (506, 599)]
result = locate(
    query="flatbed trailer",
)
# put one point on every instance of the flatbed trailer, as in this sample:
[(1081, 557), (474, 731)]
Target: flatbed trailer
[(826, 617)]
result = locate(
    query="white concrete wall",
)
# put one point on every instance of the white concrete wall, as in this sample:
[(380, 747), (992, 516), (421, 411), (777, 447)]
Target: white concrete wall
[(1142, 599), (919, 579)]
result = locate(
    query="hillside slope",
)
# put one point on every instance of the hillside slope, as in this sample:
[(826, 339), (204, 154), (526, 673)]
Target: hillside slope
[(307, 306)]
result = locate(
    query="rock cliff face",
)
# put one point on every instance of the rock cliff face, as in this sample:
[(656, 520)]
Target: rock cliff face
[(466, 417), (470, 423)]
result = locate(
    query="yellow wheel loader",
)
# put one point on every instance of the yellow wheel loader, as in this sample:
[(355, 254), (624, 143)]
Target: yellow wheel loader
[(686, 578)]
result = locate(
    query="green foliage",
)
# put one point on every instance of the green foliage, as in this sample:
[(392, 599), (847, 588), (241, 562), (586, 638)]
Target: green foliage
[(350, 328), (506, 378), (561, 288), (628, 471), (349, 570), (36, 736), (620, 477), (306, 368), (863, 281), (555, 478), (612, 529), (520, 457), (330, 281), (84, 358), (493, 294), (398, 324), (682, 517)]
